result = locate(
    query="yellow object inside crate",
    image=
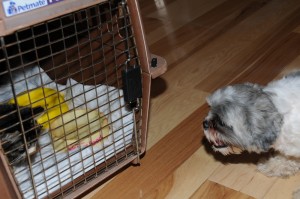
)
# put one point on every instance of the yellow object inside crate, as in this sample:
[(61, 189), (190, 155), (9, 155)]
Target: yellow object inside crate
[(50, 99), (69, 130), (79, 128)]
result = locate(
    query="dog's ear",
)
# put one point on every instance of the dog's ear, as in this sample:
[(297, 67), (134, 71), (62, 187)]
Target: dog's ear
[(265, 121)]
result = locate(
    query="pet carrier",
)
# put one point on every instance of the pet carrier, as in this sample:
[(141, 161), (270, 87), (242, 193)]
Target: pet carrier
[(74, 95)]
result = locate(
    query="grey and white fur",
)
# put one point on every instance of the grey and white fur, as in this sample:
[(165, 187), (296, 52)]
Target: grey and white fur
[(254, 118)]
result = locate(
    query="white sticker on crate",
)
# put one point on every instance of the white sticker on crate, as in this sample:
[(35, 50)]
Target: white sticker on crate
[(14, 7)]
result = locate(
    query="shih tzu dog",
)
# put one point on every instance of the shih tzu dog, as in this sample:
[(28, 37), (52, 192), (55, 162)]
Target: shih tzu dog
[(12, 139), (253, 118)]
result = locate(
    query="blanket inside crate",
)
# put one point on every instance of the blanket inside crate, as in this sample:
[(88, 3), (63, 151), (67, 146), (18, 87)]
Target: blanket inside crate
[(50, 170)]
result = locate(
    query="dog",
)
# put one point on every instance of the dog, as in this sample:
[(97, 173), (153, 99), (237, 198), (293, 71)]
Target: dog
[(16, 133), (254, 118)]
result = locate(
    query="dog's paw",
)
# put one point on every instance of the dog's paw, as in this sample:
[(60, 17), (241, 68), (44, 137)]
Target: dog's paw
[(273, 171), (279, 166)]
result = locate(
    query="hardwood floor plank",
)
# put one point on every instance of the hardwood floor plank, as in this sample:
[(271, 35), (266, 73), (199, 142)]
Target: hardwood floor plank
[(187, 178), (171, 20), (161, 160), (199, 32), (149, 7), (259, 49), (213, 190), (292, 66), (171, 108), (242, 177), (297, 29), (283, 188), (273, 62)]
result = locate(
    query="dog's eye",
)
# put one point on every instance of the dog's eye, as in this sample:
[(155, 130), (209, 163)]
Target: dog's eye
[(222, 123), (217, 121)]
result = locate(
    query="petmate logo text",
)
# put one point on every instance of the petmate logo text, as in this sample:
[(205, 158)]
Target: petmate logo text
[(14, 7)]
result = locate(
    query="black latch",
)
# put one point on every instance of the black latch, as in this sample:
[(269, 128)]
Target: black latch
[(132, 85)]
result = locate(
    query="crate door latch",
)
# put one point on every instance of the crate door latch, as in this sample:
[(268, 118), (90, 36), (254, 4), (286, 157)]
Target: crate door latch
[(132, 86)]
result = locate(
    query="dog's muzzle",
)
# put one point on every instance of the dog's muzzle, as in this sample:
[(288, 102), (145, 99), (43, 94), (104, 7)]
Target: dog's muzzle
[(217, 144)]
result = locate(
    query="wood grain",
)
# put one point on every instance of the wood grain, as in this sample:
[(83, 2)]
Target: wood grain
[(263, 42), (204, 29), (214, 190), (192, 174)]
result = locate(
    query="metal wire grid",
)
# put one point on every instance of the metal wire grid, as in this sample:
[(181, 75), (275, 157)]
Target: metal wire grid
[(91, 46)]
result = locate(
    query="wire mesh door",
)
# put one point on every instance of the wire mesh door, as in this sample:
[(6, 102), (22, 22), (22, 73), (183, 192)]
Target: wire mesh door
[(63, 117)]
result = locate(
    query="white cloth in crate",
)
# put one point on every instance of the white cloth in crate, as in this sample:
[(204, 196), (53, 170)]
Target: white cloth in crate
[(52, 171)]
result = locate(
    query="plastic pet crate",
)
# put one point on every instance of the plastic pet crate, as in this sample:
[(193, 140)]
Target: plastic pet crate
[(75, 81)]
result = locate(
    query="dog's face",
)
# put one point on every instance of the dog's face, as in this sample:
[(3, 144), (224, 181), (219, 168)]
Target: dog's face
[(242, 117)]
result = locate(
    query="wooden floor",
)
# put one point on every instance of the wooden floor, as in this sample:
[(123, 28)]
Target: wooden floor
[(207, 44)]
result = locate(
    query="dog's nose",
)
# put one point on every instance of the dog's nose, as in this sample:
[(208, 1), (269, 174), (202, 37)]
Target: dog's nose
[(205, 124)]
